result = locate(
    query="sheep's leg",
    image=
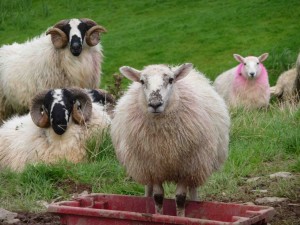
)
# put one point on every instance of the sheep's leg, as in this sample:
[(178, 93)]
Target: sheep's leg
[(148, 190), (158, 195), (180, 198), (193, 193)]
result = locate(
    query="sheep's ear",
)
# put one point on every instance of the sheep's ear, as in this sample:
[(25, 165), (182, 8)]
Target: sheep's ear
[(239, 58), (263, 57), (183, 71), (131, 73)]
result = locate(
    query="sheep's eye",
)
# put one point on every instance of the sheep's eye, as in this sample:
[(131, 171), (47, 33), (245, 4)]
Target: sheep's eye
[(245, 64), (171, 80), (257, 63), (142, 82)]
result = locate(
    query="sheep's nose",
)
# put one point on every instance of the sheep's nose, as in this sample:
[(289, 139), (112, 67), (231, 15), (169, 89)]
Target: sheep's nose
[(252, 74), (155, 105), (59, 129), (76, 48)]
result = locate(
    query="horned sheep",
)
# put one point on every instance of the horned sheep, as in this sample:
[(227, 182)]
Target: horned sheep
[(287, 88), (170, 126), (246, 85), (59, 123), (68, 54)]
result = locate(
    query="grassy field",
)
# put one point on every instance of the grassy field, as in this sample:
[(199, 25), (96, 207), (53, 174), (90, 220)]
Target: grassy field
[(205, 33)]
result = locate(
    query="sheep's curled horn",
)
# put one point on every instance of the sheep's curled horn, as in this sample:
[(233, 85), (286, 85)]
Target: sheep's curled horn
[(109, 98), (83, 112), (80, 113), (92, 36), (38, 115), (58, 37)]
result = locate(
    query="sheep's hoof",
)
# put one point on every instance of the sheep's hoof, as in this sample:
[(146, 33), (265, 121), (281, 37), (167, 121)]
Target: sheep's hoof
[(180, 212), (158, 209)]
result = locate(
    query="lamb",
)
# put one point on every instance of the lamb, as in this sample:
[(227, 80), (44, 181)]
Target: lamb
[(170, 126), (245, 85), (287, 88), (68, 54), (59, 123)]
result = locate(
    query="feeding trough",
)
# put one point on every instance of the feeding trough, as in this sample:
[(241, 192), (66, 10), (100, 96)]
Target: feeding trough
[(107, 209)]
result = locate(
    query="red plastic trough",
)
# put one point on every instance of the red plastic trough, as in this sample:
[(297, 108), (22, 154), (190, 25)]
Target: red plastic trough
[(103, 209)]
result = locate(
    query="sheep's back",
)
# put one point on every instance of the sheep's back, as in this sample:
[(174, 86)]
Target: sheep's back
[(223, 83), (23, 143), (285, 85)]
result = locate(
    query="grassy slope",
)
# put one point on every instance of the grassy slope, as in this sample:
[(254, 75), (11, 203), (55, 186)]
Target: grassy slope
[(146, 32)]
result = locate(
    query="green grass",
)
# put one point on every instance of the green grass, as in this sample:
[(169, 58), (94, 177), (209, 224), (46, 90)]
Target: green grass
[(205, 33), (146, 32)]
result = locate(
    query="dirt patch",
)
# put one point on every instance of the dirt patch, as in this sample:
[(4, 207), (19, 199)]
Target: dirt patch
[(71, 186), (285, 214), (36, 219)]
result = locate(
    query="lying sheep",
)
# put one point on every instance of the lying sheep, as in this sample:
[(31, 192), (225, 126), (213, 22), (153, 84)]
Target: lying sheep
[(287, 88), (57, 127), (68, 54), (170, 126), (246, 85)]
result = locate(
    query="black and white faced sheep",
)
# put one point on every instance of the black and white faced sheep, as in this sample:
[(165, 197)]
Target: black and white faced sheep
[(59, 123), (287, 88), (170, 126), (68, 54)]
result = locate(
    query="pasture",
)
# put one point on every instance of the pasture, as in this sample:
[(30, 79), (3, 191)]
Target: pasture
[(205, 33)]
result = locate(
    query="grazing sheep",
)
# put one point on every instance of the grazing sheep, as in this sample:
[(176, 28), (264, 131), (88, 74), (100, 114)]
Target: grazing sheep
[(287, 88), (170, 126), (57, 127), (68, 54), (246, 85)]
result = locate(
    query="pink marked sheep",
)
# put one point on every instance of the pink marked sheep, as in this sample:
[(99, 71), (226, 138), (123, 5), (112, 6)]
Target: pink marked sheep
[(287, 88), (170, 126), (246, 85)]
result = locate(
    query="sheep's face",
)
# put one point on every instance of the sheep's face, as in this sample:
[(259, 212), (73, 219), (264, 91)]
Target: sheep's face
[(75, 33), (157, 83), (58, 104), (251, 65), (55, 107)]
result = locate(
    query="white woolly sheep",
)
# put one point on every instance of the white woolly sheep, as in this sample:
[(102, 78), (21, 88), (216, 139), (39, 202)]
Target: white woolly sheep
[(59, 123), (246, 85), (287, 88), (170, 126), (68, 54)]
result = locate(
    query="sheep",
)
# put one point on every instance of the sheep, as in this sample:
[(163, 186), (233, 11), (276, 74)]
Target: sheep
[(245, 85), (287, 88), (68, 54), (170, 126), (59, 123)]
